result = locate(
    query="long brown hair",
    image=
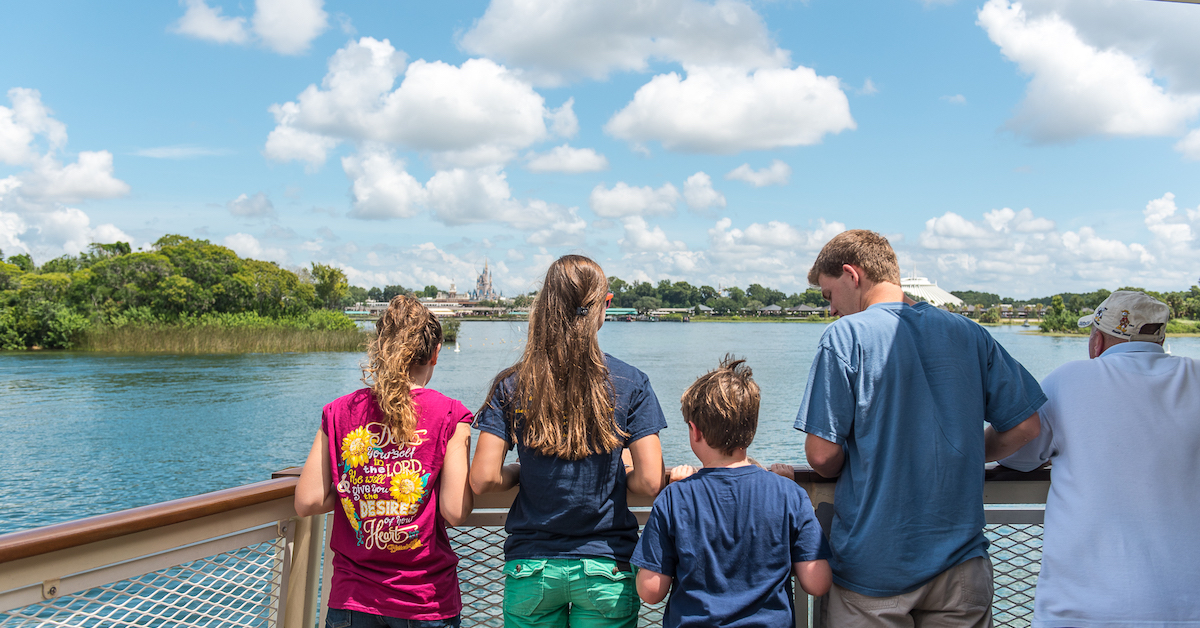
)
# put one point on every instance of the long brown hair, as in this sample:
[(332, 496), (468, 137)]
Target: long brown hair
[(563, 394), (407, 334)]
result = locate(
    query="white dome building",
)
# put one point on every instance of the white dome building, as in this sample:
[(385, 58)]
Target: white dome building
[(920, 288)]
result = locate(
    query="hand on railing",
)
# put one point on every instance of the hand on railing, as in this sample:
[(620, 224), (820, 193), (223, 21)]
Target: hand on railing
[(785, 470), (680, 472)]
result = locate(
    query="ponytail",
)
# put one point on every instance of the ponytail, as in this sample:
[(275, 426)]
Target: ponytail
[(407, 334)]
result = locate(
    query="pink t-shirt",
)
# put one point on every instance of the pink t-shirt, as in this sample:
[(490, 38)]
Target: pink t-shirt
[(391, 553)]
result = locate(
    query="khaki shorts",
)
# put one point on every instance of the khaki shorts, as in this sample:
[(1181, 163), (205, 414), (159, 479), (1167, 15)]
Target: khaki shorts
[(960, 597)]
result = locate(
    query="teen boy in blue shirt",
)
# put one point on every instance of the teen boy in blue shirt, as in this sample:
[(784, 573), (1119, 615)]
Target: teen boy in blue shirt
[(729, 537)]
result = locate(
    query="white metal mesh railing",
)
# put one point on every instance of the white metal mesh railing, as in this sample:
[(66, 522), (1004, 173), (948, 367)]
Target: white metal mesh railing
[(235, 588)]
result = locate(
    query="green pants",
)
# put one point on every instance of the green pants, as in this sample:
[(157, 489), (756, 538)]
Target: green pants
[(580, 592)]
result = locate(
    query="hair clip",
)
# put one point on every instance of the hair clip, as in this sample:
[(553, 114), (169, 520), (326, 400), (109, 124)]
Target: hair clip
[(581, 311)]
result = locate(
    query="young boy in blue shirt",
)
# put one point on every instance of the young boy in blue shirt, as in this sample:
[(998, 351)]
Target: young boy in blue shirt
[(729, 537)]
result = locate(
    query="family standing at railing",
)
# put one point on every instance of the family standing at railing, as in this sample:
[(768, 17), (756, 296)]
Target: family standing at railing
[(893, 406)]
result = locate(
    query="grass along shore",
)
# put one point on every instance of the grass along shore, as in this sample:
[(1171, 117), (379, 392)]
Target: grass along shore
[(212, 339)]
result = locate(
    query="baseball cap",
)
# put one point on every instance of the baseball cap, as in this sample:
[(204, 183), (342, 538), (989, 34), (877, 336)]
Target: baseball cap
[(1125, 312)]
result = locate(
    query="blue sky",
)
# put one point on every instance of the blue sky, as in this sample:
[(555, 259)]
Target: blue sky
[(1019, 148)]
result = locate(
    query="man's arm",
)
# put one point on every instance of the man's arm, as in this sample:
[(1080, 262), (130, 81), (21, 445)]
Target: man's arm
[(814, 576), (826, 458), (999, 445)]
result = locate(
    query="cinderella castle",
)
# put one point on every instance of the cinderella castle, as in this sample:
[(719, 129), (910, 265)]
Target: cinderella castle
[(483, 286)]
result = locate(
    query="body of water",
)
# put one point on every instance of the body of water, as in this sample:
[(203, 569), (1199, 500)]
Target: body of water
[(90, 433)]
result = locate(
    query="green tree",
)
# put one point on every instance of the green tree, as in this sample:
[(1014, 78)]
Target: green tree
[(645, 304), (429, 292), (375, 294), (330, 284), (390, 292), (23, 261), (354, 295)]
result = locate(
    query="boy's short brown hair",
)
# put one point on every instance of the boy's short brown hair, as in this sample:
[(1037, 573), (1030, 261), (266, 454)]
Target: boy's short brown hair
[(723, 405), (866, 249)]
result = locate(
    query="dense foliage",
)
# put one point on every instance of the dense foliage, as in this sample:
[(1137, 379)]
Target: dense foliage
[(180, 281), (1062, 315), (645, 296)]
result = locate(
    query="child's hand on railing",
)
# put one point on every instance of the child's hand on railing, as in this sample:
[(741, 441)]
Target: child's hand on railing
[(785, 470), (680, 472)]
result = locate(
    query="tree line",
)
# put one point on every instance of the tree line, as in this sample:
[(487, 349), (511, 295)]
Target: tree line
[(179, 281)]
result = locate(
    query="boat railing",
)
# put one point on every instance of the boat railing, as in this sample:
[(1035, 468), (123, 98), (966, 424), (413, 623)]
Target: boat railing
[(242, 557)]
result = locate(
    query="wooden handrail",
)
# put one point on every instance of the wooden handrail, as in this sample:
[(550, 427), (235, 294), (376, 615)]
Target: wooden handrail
[(26, 543)]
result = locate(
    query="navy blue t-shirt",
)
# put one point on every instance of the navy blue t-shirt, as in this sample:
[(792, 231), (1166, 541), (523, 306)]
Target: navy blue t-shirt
[(728, 538), (575, 508)]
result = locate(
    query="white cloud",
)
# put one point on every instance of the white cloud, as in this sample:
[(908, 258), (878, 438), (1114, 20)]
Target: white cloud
[(699, 193), (289, 26), (1190, 145), (641, 238), (1078, 89), (1172, 231), (554, 42), (724, 110), (957, 99), (463, 196), (91, 176), (1019, 254), (868, 88), (1161, 34), (563, 122), (566, 159), (32, 215), (21, 125), (246, 245), (625, 200), (475, 114), (775, 174), (285, 26), (52, 232), (382, 188), (257, 206), (201, 21)]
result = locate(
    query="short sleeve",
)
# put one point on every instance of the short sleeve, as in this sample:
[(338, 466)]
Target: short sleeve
[(828, 408), (1041, 449), (491, 418), (644, 415), (1012, 394), (808, 542), (655, 549)]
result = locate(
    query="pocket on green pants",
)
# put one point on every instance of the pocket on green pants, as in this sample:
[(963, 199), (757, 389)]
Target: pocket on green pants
[(611, 591), (523, 585)]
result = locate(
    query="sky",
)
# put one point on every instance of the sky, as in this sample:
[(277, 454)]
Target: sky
[(1021, 148)]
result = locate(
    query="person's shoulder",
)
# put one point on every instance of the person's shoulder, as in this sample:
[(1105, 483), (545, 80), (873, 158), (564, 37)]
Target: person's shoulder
[(438, 400), (360, 397), (621, 369)]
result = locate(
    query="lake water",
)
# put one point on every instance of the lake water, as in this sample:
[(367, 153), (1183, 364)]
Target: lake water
[(89, 433)]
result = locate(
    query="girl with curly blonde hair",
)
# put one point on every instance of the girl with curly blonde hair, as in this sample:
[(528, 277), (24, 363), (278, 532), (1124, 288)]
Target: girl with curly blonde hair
[(394, 456)]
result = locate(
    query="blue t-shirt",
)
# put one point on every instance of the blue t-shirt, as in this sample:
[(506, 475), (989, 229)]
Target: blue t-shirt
[(575, 508), (905, 390), (728, 538)]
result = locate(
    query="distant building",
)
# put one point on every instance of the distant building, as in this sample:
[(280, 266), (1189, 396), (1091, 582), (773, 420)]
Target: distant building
[(920, 288), (483, 286)]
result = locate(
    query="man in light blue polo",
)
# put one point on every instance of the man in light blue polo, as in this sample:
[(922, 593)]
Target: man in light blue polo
[(1122, 430), (895, 408)]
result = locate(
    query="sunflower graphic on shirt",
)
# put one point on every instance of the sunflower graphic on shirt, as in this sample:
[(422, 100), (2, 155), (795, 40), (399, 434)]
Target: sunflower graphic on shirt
[(408, 488), (357, 447)]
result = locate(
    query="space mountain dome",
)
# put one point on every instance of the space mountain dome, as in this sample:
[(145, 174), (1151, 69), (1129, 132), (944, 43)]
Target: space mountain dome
[(921, 289)]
